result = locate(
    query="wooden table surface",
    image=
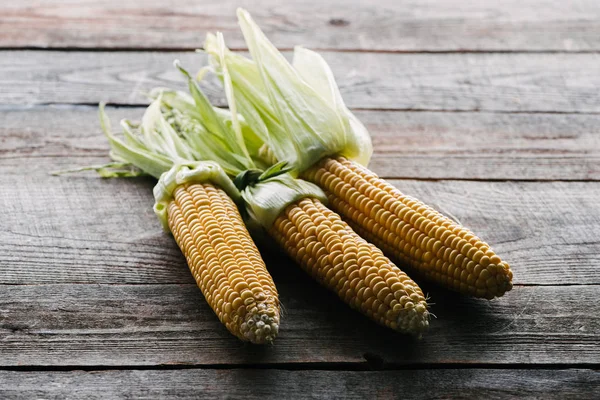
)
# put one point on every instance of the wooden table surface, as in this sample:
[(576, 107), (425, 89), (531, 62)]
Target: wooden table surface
[(488, 111)]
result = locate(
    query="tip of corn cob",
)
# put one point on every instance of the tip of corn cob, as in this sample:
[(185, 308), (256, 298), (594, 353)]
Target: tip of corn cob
[(494, 280), (261, 323), (413, 319)]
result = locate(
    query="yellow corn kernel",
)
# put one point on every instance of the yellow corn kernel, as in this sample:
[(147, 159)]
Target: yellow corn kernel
[(426, 241), (225, 261), (345, 263)]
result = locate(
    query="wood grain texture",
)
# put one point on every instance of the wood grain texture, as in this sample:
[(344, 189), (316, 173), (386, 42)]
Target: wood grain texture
[(434, 145), (409, 25), (275, 384), (126, 325), (86, 229), (423, 145), (456, 94), (452, 82)]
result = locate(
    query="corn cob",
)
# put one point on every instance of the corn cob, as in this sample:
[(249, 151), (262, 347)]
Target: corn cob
[(411, 232), (316, 237), (333, 254), (225, 261)]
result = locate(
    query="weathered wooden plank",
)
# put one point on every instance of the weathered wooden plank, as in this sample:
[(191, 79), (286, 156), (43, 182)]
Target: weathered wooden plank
[(425, 145), (277, 384), (431, 25), (467, 82), (86, 229), (434, 145), (116, 325)]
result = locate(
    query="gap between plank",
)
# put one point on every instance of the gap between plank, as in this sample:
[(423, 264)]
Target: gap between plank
[(5, 107), (386, 177), (25, 107), (317, 366), (193, 284), (542, 180), (282, 49)]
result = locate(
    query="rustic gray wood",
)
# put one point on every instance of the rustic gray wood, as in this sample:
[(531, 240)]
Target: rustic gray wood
[(121, 325), (423, 145), (565, 83), (460, 96), (275, 384), (440, 145), (410, 25), (81, 228)]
